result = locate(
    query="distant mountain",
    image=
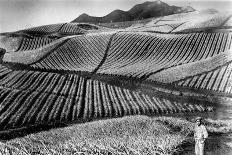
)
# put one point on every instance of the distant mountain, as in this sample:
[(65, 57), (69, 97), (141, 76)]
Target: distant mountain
[(138, 12)]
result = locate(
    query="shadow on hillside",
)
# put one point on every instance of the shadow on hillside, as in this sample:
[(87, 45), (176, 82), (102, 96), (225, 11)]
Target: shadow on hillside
[(15, 133), (32, 129), (2, 52)]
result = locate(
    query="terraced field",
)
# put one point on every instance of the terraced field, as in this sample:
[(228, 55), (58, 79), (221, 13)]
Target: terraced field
[(64, 28), (41, 97), (82, 53), (138, 54), (61, 72), (133, 54), (45, 28), (34, 43), (217, 80)]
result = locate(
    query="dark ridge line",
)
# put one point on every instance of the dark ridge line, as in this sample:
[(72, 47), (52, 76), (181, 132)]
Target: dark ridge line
[(20, 45), (206, 72), (145, 77), (20, 66), (159, 20), (204, 91), (61, 27), (223, 23), (87, 75), (95, 76), (105, 55), (83, 74), (176, 27), (197, 91), (157, 84)]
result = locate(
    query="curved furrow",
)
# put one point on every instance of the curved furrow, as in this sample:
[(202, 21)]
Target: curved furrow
[(43, 98), (82, 53), (216, 80)]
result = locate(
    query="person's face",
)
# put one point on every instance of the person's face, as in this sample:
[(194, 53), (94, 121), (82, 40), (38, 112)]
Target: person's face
[(198, 122)]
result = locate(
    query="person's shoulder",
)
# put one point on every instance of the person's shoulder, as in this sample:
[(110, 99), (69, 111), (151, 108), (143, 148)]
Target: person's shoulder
[(203, 126)]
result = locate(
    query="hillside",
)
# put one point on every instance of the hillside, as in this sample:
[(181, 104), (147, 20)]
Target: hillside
[(138, 12), (66, 73)]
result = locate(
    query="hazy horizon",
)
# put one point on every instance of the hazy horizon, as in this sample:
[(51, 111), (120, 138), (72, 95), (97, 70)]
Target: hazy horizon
[(21, 14)]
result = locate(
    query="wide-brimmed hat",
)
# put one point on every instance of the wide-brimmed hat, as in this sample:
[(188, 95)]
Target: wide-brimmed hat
[(199, 118)]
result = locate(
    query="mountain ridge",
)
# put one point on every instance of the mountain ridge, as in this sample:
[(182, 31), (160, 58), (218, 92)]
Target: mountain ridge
[(144, 10)]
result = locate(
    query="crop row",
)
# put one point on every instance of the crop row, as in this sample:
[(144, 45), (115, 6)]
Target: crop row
[(36, 42), (72, 28), (137, 54), (41, 82), (82, 53), (216, 80), (45, 28), (104, 100), (30, 108), (29, 98), (228, 22), (4, 71), (134, 54)]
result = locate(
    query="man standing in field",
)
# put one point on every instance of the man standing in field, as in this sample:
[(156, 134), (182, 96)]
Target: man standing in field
[(200, 135)]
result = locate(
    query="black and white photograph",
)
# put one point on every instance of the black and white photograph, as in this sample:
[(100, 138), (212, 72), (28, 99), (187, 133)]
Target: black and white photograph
[(115, 77)]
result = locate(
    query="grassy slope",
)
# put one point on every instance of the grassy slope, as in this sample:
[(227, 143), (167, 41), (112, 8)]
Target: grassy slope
[(10, 43), (127, 135)]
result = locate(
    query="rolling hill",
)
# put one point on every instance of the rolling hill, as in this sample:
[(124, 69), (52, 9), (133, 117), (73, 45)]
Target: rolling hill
[(138, 12), (77, 72)]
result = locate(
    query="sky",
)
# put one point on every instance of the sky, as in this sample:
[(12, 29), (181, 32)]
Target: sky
[(21, 14)]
